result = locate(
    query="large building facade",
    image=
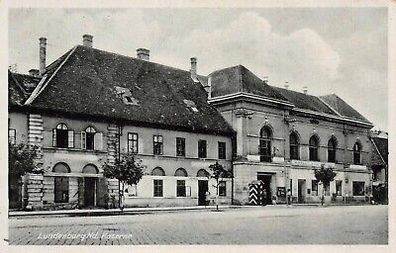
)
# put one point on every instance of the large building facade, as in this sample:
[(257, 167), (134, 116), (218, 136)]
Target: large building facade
[(90, 106)]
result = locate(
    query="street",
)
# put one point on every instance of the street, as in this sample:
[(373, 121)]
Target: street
[(248, 225)]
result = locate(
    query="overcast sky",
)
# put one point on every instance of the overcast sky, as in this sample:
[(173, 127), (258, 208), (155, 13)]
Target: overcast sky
[(330, 50)]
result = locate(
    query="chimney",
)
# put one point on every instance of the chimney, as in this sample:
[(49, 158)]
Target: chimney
[(286, 85), (193, 69), (265, 79), (34, 72), (42, 54), (87, 40), (143, 54), (305, 90)]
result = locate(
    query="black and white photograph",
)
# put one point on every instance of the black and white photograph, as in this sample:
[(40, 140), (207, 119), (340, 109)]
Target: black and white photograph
[(197, 125)]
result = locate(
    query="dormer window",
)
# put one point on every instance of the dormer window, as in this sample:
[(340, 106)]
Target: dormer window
[(126, 96), (191, 105)]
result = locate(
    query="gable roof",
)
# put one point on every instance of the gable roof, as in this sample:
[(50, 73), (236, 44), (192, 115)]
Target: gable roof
[(88, 81), (239, 79), (343, 108), (19, 87), (380, 151)]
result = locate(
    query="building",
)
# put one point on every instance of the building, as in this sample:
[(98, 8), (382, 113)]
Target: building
[(379, 166), (284, 135), (89, 106)]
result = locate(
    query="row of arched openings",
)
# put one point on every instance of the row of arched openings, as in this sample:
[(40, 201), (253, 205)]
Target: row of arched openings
[(180, 172), (314, 143)]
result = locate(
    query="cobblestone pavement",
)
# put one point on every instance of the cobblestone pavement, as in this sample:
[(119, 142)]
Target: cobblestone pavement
[(258, 225)]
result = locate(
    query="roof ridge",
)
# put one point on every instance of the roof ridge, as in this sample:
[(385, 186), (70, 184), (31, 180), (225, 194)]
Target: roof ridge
[(331, 108), (41, 86)]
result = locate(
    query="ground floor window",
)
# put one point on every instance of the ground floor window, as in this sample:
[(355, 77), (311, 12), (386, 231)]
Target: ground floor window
[(358, 188), (338, 187), (158, 188), (314, 187), (222, 188), (181, 188), (327, 189), (61, 190), (131, 190)]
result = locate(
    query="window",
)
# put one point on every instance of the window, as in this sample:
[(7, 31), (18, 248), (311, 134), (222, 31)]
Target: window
[(314, 187), (338, 187), (131, 190), (158, 187), (358, 188), (158, 145), (203, 173), (313, 148), (331, 150), (12, 136), (61, 183), (181, 188), (202, 148), (265, 144), (158, 171), (133, 143), (180, 146), (327, 189), (90, 138), (356, 153), (222, 188), (62, 137), (294, 144), (180, 172), (222, 150)]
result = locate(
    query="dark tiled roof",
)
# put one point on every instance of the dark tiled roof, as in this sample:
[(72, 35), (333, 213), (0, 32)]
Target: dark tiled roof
[(343, 108), (305, 101), (19, 87), (240, 79), (381, 144), (86, 84)]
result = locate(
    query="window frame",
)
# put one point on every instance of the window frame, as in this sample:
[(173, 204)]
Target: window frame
[(158, 144), (133, 142), (222, 150), (181, 188), (338, 184), (314, 149), (315, 189), (265, 144), (332, 150), (362, 187), (222, 188), (202, 149), (158, 188), (12, 139), (180, 146), (357, 153), (294, 147)]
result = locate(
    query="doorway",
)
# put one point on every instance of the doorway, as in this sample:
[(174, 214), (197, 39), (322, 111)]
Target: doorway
[(89, 191), (266, 179), (301, 190), (202, 189)]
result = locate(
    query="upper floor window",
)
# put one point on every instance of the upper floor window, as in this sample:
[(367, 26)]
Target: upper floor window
[(62, 137), (12, 136), (294, 146), (133, 143), (158, 145), (202, 148), (265, 144), (222, 150), (357, 148), (180, 146), (313, 148), (331, 150), (91, 139)]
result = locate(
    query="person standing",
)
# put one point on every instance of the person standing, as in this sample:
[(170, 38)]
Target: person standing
[(288, 197)]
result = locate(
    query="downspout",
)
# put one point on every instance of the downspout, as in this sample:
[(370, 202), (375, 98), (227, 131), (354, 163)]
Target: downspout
[(233, 154)]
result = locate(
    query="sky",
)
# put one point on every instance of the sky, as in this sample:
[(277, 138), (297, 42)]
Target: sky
[(329, 50)]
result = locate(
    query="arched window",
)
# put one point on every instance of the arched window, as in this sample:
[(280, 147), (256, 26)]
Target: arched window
[(61, 184), (331, 150), (294, 146), (90, 169), (202, 173), (88, 138), (357, 148), (313, 148), (180, 172), (158, 171), (265, 144), (62, 137)]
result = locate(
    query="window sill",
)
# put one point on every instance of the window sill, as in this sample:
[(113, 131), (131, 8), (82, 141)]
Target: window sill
[(55, 149)]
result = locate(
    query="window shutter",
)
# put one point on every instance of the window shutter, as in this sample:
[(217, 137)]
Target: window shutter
[(83, 138), (98, 139), (70, 135), (54, 137)]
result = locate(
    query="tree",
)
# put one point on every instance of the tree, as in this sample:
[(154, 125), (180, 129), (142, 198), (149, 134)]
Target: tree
[(325, 175), (219, 172), (21, 160), (127, 169)]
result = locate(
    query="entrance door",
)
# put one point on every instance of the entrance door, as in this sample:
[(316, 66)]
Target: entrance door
[(267, 187), (202, 189), (301, 190), (89, 191)]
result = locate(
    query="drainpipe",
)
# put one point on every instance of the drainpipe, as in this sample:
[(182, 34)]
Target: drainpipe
[(121, 193), (233, 148)]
